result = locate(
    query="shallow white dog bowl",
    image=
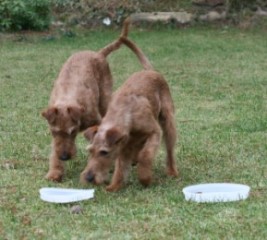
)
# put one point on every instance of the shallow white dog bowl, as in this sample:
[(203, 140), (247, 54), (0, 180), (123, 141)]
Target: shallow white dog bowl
[(63, 195), (216, 192)]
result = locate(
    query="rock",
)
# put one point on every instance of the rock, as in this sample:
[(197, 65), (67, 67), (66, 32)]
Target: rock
[(76, 209), (57, 24), (212, 16), (165, 17), (261, 12)]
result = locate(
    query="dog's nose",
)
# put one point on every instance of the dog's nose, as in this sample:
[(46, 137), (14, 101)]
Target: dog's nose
[(65, 156), (90, 177)]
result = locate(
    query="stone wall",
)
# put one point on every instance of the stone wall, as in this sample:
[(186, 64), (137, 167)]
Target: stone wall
[(113, 12)]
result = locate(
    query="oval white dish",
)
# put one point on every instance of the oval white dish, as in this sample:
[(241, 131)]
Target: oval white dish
[(216, 192), (64, 195)]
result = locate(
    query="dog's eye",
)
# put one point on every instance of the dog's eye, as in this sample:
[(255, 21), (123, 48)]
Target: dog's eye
[(72, 131), (54, 133), (103, 153)]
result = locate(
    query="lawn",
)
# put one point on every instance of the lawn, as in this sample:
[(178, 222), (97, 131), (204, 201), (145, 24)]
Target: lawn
[(218, 79)]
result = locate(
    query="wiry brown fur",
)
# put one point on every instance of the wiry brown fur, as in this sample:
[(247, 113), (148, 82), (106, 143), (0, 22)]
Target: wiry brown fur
[(131, 129), (78, 100)]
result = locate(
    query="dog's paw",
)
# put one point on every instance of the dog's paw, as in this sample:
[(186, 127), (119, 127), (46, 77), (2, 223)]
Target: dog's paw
[(172, 172), (113, 188), (54, 175), (145, 181)]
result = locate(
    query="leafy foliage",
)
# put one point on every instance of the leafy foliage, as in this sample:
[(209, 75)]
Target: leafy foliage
[(90, 11), (24, 14), (237, 5)]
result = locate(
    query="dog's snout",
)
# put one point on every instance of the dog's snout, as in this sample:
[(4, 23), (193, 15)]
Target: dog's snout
[(90, 177), (65, 156)]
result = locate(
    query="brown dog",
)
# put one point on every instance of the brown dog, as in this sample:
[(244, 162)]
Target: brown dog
[(78, 100), (131, 129)]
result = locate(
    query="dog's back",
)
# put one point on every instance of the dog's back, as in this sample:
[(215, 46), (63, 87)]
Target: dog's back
[(82, 79), (147, 84), (87, 73)]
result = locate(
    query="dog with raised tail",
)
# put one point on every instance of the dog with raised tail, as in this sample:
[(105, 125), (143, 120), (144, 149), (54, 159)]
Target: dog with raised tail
[(130, 132), (79, 99)]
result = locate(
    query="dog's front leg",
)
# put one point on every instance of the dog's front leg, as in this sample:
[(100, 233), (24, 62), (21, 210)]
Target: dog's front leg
[(122, 167), (56, 168), (146, 157)]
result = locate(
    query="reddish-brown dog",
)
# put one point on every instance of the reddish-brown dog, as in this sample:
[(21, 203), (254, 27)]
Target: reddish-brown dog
[(131, 129), (78, 100)]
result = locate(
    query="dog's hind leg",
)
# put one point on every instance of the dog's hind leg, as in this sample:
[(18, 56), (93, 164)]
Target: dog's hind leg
[(106, 92), (167, 122)]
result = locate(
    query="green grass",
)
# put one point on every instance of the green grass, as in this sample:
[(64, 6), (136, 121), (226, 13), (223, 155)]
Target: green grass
[(218, 80)]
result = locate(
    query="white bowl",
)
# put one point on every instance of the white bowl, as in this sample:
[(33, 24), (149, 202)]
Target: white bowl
[(63, 195), (216, 192)]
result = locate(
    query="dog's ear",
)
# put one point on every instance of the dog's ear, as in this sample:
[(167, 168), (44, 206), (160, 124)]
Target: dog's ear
[(115, 136), (75, 113), (50, 114), (90, 132)]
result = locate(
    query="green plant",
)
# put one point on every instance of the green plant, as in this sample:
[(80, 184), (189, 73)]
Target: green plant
[(24, 14), (237, 5)]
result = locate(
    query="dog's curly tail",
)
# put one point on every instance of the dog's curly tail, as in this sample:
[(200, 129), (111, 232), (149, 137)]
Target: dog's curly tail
[(126, 41), (117, 43), (138, 52)]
